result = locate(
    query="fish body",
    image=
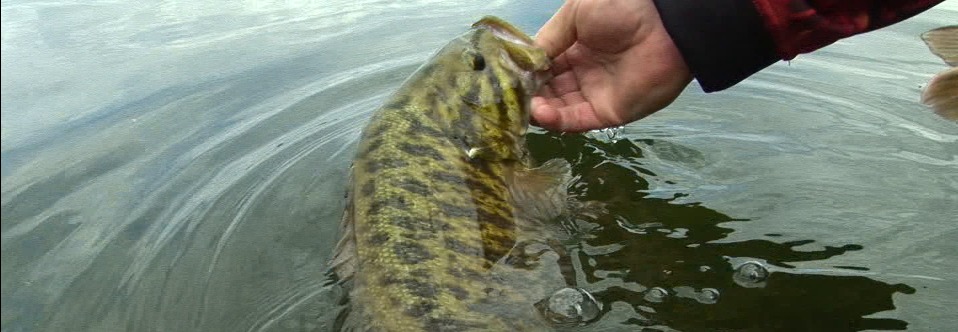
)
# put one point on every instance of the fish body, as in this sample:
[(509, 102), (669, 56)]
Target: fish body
[(941, 93), (442, 190)]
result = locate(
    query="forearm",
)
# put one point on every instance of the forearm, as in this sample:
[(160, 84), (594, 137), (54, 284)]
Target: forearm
[(725, 41)]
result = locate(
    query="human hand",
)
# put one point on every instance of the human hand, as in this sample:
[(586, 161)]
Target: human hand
[(614, 63)]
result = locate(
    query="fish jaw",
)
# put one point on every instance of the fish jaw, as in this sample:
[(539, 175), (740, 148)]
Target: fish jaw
[(505, 117), (487, 77), (519, 47), (504, 30)]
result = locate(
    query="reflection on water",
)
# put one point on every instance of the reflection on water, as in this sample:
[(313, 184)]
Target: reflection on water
[(180, 167), (654, 262)]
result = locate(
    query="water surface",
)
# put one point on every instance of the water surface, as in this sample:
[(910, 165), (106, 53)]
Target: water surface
[(180, 166)]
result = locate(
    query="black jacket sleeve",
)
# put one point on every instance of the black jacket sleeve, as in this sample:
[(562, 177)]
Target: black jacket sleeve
[(722, 41)]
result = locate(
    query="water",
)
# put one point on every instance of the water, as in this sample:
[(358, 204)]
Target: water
[(180, 166)]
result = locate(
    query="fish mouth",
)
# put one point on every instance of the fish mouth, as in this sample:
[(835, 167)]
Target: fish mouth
[(504, 30), (519, 47)]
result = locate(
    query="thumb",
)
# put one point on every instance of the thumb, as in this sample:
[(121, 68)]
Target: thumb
[(558, 33)]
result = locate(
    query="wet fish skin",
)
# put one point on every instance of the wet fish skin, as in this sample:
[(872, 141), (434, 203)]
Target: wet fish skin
[(434, 200)]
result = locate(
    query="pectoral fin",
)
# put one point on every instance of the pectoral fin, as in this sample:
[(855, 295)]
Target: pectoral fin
[(542, 193), (942, 92), (343, 263)]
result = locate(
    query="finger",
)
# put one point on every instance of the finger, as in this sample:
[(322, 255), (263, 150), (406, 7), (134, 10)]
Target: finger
[(564, 83), (577, 118), (560, 65), (556, 102), (545, 91), (581, 117), (543, 114), (558, 33), (573, 98)]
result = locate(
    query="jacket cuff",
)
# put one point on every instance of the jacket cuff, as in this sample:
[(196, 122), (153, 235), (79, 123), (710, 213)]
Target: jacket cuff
[(722, 41)]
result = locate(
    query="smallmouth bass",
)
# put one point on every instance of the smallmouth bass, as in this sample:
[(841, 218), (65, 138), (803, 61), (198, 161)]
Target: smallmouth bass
[(443, 191)]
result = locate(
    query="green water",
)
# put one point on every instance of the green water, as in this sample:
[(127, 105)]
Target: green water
[(177, 166)]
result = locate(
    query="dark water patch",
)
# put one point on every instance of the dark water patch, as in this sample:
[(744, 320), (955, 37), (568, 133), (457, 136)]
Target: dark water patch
[(699, 259)]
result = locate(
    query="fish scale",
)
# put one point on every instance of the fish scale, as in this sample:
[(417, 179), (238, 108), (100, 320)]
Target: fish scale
[(432, 208), (404, 233)]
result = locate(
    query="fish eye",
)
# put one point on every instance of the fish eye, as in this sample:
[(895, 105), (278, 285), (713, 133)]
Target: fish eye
[(478, 62)]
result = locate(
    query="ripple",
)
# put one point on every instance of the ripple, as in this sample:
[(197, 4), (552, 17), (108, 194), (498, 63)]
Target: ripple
[(330, 125), (180, 166), (192, 176)]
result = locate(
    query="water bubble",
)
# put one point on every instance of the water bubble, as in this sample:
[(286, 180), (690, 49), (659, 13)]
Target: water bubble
[(569, 307), (751, 275), (656, 294), (707, 296)]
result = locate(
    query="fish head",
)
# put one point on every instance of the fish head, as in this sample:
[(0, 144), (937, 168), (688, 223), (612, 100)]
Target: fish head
[(515, 49), (520, 68), (495, 69)]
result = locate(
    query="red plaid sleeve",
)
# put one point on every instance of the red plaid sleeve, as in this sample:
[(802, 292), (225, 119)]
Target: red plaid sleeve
[(725, 41), (802, 26)]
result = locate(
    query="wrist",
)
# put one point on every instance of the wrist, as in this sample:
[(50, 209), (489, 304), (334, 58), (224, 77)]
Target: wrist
[(722, 42)]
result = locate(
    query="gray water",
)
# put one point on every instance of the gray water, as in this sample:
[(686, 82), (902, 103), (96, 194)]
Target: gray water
[(180, 166)]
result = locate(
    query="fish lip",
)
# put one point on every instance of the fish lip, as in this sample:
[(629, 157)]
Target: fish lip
[(504, 30)]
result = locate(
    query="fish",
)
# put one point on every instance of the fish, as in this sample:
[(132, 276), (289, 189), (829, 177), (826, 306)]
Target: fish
[(941, 93), (445, 205)]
